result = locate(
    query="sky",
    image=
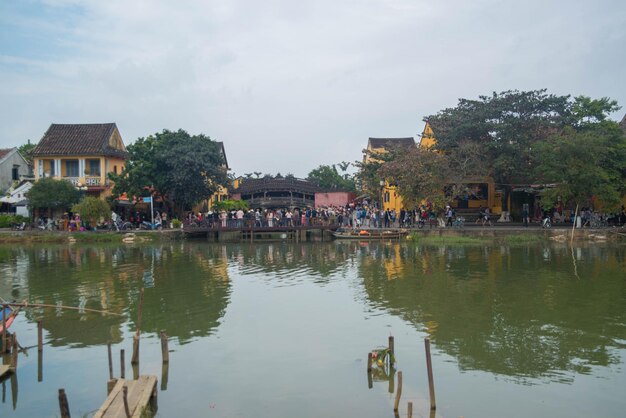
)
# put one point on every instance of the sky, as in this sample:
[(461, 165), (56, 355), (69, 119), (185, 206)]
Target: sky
[(290, 85)]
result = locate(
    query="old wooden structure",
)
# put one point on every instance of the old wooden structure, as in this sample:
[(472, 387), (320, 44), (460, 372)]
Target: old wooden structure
[(130, 398)]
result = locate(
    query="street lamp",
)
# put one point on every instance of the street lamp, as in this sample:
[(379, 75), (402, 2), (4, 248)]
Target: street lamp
[(382, 193), (81, 188)]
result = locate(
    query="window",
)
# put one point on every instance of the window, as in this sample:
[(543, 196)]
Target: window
[(115, 169), (94, 167), (71, 168), (15, 173)]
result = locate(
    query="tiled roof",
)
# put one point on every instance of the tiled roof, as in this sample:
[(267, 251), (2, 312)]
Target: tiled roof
[(78, 139), (4, 152), (623, 123), (391, 143), (286, 184)]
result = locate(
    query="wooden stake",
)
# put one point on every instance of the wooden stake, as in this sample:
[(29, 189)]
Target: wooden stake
[(431, 382), (14, 350), (135, 357), (63, 404), (369, 362), (409, 410), (122, 366), (392, 349), (39, 336), (110, 355), (398, 393), (125, 393), (40, 366), (165, 369), (165, 352)]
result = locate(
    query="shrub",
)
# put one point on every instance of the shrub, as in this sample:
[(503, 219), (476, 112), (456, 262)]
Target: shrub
[(7, 221)]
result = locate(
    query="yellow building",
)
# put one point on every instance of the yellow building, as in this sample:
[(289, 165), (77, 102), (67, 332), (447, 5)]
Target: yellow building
[(82, 154), (480, 191), (388, 192), (221, 193)]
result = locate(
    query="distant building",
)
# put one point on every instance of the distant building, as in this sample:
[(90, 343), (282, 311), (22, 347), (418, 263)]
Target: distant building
[(83, 154), (337, 199), (285, 192), (13, 168)]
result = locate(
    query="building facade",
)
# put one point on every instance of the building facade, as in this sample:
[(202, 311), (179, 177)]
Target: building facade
[(13, 168), (83, 154)]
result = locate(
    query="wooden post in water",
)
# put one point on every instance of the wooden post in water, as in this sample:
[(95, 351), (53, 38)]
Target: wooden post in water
[(122, 366), (63, 404), (39, 336), (165, 352), (409, 410), (110, 355), (135, 358), (398, 393), (431, 382), (13, 365), (392, 350), (40, 366), (369, 362), (125, 393)]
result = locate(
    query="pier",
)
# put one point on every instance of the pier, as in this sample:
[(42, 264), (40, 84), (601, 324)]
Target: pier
[(130, 398), (261, 233)]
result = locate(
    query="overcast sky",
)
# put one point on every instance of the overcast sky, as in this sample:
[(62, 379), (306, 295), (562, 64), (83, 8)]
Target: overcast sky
[(289, 85)]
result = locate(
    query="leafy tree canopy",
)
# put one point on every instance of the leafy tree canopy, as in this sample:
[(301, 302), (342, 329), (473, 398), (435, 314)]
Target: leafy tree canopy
[(328, 178), (228, 205), (182, 168), (584, 164), (53, 194), (26, 150), (93, 209)]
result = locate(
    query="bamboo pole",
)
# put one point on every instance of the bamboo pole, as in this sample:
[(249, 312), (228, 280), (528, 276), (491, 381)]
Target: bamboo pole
[(369, 362), (398, 393), (63, 404), (392, 350), (14, 353), (431, 382), (40, 366), (46, 305), (574, 223), (409, 410)]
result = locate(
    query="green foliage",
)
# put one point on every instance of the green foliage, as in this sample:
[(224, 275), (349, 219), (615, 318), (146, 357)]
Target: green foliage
[(584, 164), (184, 169), (383, 357), (7, 221), (53, 194), (328, 178), (176, 223), (93, 209), (26, 151), (367, 178), (228, 205)]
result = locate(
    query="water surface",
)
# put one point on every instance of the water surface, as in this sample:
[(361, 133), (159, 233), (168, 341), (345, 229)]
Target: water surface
[(283, 329)]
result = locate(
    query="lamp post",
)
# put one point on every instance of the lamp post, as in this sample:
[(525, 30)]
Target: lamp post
[(382, 194), (82, 189)]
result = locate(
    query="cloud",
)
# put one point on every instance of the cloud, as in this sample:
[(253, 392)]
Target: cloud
[(292, 85)]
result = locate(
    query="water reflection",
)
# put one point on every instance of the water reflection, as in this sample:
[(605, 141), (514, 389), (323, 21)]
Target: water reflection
[(515, 311), (518, 312)]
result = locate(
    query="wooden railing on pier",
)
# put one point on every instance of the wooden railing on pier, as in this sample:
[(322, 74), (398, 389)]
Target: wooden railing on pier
[(139, 394)]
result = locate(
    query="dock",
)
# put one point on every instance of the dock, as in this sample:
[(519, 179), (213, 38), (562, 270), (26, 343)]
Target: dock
[(4, 370), (140, 394)]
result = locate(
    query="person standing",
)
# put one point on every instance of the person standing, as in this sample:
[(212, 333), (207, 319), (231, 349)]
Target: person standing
[(486, 217), (525, 214), (449, 215)]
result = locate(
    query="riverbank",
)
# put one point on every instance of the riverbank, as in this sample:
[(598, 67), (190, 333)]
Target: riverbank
[(87, 237), (508, 234)]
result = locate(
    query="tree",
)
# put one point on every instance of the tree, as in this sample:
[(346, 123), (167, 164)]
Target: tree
[(49, 193), (184, 169), (367, 178), (585, 165), (327, 177), (510, 124), (93, 209), (26, 151)]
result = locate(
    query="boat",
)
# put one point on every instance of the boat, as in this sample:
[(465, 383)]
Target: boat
[(369, 234), (7, 316)]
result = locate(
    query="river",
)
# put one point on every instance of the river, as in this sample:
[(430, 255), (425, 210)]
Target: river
[(283, 329)]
